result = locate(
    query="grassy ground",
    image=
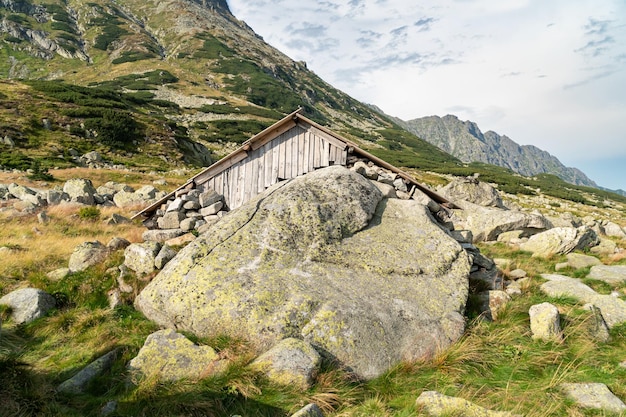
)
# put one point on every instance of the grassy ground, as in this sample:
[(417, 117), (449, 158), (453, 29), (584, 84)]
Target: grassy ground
[(496, 364)]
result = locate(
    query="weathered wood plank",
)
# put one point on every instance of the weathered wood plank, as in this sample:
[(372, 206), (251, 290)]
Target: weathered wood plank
[(248, 180), (260, 180), (268, 168), (317, 153), (311, 151), (343, 157), (288, 157), (281, 159), (275, 160), (294, 155), (325, 153), (239, 187), (306, 151), (301, 147)]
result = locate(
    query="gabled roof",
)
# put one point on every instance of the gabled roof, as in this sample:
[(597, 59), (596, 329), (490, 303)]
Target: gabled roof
[(274, 131)]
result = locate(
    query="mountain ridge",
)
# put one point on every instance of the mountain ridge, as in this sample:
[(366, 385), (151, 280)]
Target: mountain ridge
[(465, 140)]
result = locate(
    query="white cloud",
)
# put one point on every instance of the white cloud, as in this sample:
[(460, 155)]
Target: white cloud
[(547, 73)]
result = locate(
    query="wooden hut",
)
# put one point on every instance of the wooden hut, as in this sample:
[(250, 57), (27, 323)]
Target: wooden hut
[(293, 146)]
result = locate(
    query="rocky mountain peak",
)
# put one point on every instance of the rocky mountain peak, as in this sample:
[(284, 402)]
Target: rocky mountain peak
[(465, 140)]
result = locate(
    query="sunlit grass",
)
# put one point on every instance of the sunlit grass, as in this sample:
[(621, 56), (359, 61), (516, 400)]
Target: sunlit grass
[(496, 365)]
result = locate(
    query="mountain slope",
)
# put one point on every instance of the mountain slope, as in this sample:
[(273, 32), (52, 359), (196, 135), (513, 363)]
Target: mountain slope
[(464, 140), (223, 82)]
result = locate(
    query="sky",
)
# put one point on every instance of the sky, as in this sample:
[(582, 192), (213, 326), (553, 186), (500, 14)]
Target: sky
[(549, 73)]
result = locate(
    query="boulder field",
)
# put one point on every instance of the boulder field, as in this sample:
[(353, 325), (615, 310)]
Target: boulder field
[(368, 281)]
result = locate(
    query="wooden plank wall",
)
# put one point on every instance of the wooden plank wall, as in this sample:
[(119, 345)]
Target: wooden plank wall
[(293, 153)]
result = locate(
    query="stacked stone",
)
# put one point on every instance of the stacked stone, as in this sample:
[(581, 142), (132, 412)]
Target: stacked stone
[(191, 209), (396, 186), (75, 191)]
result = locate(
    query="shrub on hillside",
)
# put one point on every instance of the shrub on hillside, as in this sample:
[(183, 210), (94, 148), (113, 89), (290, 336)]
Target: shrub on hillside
[(115, 128)]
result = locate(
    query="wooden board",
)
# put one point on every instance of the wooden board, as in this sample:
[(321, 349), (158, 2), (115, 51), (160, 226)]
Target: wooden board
[(275, 163), (325, 153), (317, 152), (281, 159)]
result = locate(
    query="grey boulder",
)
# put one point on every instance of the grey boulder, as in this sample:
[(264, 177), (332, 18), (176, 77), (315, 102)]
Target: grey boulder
[(28, 304), (560, 241), (487, 223), (87, 254), (325, 259)]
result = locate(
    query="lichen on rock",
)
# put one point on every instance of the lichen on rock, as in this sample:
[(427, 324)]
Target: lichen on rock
[(326, 259)]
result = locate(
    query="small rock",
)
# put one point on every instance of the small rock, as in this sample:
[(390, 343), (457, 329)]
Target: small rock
[(125, 199), (388, 190), (86, 255), (43, 218), (115, 298), (161, 235), (80, 190), (188, 224), (58, 274), (117, 219), (28, 304), (493, 303), (191, 205), (517, 274), (171, 356), (79, 382), (594, 395), (290, 362), (611, 274), (400, 185), (171, 220), (118, 243), (597, 326), (212, 209), (140, 257), (175, 205), (165, 255), (436, 404), (544, 322), (208, 198), (181, 240), (311, 410), (578, 260)]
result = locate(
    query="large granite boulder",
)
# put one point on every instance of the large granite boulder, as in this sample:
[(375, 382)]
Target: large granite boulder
[(487, 223), (561, 241), (326, 259), (473, 191)]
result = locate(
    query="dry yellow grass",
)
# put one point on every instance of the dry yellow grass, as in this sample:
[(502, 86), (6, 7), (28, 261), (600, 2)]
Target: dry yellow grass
[(36, 247)]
